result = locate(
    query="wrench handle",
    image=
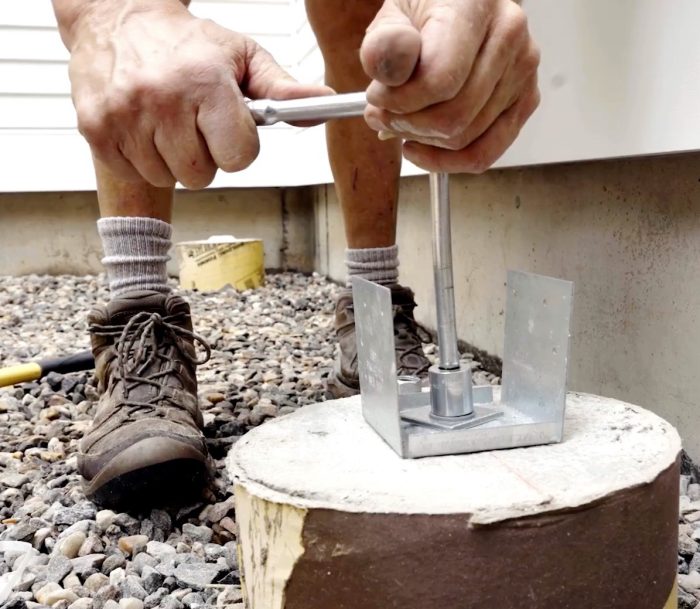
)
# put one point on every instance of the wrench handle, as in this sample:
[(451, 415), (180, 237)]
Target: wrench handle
[(322, 108)]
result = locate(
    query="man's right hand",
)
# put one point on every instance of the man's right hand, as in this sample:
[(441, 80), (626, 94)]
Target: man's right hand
[(159, 93)]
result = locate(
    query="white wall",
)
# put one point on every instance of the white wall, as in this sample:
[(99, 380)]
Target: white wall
[(618, 78)]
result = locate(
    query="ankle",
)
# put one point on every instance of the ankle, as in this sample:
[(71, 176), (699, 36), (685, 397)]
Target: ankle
[(378, 264), (136, 253)]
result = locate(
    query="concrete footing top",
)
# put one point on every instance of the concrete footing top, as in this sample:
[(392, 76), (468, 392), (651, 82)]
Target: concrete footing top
[(326, 456)]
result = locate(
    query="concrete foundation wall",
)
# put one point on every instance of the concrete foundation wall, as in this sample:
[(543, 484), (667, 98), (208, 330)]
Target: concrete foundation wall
[(55, 232), (627, 232)]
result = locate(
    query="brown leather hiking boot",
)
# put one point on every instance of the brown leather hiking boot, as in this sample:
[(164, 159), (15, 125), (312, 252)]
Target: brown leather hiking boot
[(145, 446), (409, 337)]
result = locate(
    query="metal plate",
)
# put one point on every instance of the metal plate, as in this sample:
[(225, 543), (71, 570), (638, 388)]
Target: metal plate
[(536, 350), (376, 360), (511, 430), (422, 416)]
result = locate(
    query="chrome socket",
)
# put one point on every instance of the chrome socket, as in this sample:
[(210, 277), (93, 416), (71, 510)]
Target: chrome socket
[(450, 393)]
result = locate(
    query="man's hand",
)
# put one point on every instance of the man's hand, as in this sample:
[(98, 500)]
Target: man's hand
[(457, 79), (160, 94)]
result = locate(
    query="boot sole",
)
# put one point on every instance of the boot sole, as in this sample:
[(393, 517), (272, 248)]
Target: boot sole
[(174, 475)]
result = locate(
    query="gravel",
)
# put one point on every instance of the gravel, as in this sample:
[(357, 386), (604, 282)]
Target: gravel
[(688, 536), (272, 349)]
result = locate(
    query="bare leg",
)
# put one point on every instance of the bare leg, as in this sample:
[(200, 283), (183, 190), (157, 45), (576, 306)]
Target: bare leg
[(135, 232), (366, 170), (155, 454), (133, 199)]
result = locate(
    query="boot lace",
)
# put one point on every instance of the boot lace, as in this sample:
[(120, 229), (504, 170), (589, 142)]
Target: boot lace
[(139, 347), (410, 337)]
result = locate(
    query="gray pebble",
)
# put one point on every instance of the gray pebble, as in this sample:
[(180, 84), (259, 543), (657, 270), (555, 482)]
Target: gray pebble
[(127, 523), (197, 575), (161, 521), (694, 492), (13, 480), (151, 579), (213, 551), (153, 600), (231, 554), (182, 547), (117, 576), (214, 513), (229, 595), (131, 587), (686, 546), (82, 526), (15, 603), (684, 481), (159, 550), (26, 582), (201, 533), (104, 594), (59, 566), (695, 562), (114, 561), (686, 600), (193, 600), (23, 530), (84, 566), (171, 603), (167, 568), (72, 515), (141, 560)]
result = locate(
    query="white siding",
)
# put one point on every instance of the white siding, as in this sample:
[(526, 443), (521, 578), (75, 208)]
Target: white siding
[(618, 79), (40, 148)]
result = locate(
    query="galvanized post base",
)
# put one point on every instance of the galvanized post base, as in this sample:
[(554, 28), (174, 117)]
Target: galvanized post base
[(529, 410)]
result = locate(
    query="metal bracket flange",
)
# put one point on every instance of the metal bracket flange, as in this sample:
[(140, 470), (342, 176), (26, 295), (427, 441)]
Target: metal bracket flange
[(528, 410)]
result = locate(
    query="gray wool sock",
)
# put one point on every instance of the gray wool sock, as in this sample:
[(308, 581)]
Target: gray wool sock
[(136, 252), (378, 264)]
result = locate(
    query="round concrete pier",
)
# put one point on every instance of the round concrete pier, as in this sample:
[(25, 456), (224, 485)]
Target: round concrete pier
[(331, 518)]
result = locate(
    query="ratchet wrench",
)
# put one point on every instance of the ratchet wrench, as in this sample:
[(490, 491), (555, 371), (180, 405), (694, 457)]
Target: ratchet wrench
[(270, 111), (447, 403)]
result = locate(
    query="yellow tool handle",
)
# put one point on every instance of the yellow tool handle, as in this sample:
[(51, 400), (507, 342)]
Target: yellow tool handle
[(21, 373)]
